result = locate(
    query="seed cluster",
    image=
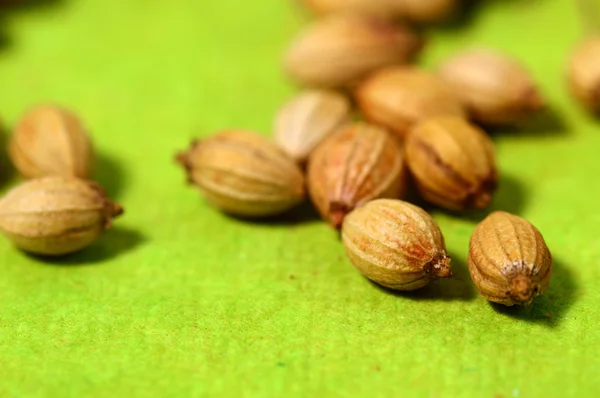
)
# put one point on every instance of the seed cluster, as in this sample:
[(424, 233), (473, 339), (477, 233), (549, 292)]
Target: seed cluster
[(367, 126), (59, 210)]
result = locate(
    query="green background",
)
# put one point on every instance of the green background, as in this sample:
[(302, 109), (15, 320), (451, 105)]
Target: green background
[(180, 300)]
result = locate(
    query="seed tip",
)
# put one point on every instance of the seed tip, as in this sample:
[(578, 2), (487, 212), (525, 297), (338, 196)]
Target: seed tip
[(441, 269), (116, 209), (482, 200), (521, 290), (533, 100), (337, 213), (337, 219), (182, 158)]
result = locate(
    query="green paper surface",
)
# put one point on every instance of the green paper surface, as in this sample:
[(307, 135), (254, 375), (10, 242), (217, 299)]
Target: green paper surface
[(181, 300)]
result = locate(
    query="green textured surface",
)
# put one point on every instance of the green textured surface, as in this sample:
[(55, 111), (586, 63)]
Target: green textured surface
[(179, 300)]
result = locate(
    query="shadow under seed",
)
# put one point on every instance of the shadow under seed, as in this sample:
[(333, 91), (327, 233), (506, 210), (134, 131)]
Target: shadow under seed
[(113, 243), (551, 308), (458, 287)]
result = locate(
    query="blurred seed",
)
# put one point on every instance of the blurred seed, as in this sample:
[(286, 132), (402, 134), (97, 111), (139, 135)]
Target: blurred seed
[(50, 140), (340, 49), (56, 215), (584, 73), (307, 119), (399, 97), (495, 89)]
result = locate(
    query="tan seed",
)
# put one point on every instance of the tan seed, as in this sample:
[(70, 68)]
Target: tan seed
[(244, 174), (50, 140), (399, 97), (495, 89), (509, 260), (356, 164), (340, 49), (56, 215), (452, 162), (584, 73), (307, 119), (395, 244)]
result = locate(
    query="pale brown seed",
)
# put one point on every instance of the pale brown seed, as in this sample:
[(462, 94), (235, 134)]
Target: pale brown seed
[(56, 215), (356, 164), (425, 11), (452, 162), (584, 73), (399, 97), (509, 261), (307, 119), (340, 49), (50, 140), (244, 174), (495, 89), (395, 244)]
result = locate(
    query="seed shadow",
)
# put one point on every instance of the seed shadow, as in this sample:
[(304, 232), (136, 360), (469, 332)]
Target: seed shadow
[(115, 242), (467, 12), (7, 170), (548, 123), (4, 38), (464, 15), (304, 213), (550, 308), (110, 175), (458, 287), (511, 196), (8, 7), (25, 5)]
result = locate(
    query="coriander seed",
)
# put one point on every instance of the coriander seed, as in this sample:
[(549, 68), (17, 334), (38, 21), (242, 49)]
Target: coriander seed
[(56, 215), (395, 244), (244, 174), (452, 162), (509, 261), (50, 140)]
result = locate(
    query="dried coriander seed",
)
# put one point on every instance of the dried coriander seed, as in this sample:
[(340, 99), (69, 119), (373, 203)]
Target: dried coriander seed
[(452, 162), (303, 122), (56, 215), (584, 73), (495, 89), (399, 97), (356, 164), (395, 244), (50, 140), (509, 261), (244, 174), (340, 49)]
